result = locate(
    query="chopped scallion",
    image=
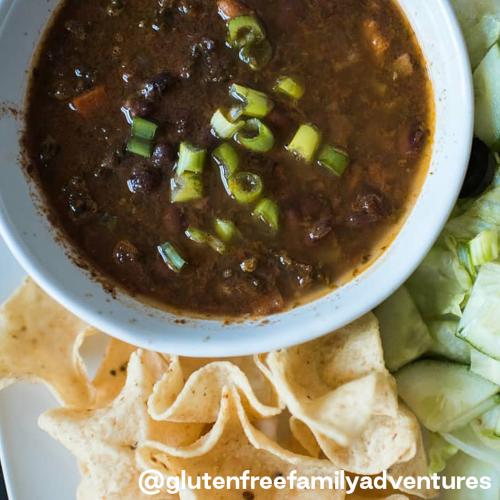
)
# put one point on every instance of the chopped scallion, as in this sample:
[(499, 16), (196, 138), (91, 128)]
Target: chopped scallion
[(256, 55), (255, 103), (140, 147), (268, 212), (224, 127), (225, 229), (484, 247), (289, 87), (244, 30), (245, 187), (191, 158), (171, 257), (255, 136), (199, 236), (143, 129), (334, 159), (186, 187), (305, 142), (226, 158)]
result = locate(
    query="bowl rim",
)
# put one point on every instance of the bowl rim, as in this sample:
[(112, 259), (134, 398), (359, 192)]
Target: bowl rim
[(267, 338)]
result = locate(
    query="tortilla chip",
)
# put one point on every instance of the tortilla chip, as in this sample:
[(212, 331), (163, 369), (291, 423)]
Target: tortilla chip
[(417, 466), (112, 373), (305, 437), (337, 383), (232, 446), (383, 443), (197, 400), (40, 341), (104, 440)]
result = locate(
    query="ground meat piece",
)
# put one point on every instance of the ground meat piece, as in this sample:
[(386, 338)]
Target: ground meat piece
[(228, 9), (368, 207)]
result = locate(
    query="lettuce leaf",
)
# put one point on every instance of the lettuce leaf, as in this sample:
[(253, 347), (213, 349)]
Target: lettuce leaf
[(440, 285), (447, 344)]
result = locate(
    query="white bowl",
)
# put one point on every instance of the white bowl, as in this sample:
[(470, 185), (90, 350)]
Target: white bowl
[(31, 238)]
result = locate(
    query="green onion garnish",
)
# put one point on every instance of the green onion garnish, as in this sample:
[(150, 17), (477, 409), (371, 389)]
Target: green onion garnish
[(305, 142), (143, 129), (334, 159), (223, 127), (171, 257), (227, 159), (191, 158), (268, 212), (199, 236), (255, 136), (140, 147), (244, 30), (186, 187), (256, 55), (289, 87), (245, 187), (225, 229), (254, 102), (484, 247)]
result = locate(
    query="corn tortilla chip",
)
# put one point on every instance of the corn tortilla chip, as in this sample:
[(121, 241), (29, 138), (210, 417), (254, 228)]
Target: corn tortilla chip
[(40, 341), (232, 446), (197, 400), (331, 391), (104, 440)]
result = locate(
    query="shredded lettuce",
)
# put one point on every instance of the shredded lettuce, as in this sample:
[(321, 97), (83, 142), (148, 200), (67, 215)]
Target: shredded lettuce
[(485, 366), (462, 465), (439, 452), (447, 344), (483, 214), (480, 322), (487, 428), (440, 285), (404, 334)]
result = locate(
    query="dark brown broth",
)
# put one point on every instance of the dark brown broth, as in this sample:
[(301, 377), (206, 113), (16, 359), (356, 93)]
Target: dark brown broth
[(362, 102)]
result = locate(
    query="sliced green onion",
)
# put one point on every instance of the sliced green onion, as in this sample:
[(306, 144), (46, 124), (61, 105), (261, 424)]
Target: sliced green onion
[(484, 247), (334, 159), (235, 112), (191, 158), (140, 147), (196, 235), (289, 87), (244, 30), (255, 136), (171, 257), (143, 129), (227, 159), (245, 187), (256, 55), (255, 103), (268, 212), (225, 155), (305, 142), (225, 229), (465, 258), (186, 187), (199, 236), (223, 127)]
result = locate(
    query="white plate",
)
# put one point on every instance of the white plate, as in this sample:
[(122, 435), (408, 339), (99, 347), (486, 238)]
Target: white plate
[(35, 466)]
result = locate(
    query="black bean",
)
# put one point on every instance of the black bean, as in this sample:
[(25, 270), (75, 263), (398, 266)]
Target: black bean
[(320, 229), (80, 203), (480, 171), (143, 180), (155, 87), (138, 106), (368, 207), (49, 149), (163, 155)]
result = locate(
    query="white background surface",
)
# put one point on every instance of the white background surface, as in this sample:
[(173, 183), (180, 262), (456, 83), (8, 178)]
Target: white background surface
[(35, 466)]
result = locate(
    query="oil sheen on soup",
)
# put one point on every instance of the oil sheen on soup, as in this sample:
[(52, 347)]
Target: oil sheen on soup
[(228, 158)]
